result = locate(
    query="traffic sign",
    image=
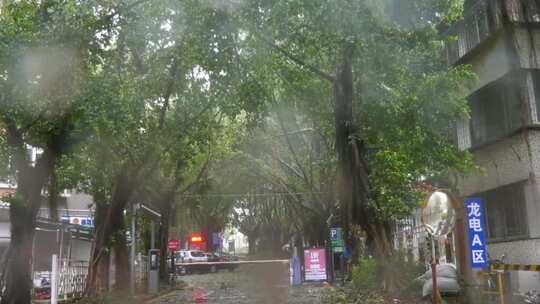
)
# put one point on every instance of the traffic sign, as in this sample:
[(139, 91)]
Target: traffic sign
[(173, 245), (335, 234), (336, 239)]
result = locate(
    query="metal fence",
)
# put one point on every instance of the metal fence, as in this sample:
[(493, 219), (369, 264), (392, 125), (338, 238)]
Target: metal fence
[(67, 278), (141, 269), (72, 277)]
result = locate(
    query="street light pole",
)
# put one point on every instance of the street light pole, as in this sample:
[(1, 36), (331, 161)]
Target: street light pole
[(152, 235), (434, 289), (133, 248)]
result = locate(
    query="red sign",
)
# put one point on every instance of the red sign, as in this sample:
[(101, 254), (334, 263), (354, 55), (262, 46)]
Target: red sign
[(315, 264), (173, 245)]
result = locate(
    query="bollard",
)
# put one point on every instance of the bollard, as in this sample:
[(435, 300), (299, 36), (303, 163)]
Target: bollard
[(54, 283)]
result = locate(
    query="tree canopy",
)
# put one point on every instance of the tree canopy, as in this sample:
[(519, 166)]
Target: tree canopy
[(278, 117)]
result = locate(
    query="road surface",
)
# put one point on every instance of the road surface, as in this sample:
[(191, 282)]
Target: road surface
[(253, 284)]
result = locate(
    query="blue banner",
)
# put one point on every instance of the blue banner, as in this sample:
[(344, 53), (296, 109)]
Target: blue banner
[(476, 232), (217, 240)]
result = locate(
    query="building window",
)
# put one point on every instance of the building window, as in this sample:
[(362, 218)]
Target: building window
[(505, 212), (496, 111), (536, 84)]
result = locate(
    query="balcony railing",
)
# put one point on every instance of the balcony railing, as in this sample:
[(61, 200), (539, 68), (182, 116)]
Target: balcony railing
[(481, 19), (484, 18)]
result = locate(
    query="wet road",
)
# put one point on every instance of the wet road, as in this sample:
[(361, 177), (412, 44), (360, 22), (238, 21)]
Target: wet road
[(260, 284)]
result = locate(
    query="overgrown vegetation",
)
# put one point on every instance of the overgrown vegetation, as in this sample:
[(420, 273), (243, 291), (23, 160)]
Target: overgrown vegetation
[(366, 285), (346, 296), (365, 275), (280, 116)]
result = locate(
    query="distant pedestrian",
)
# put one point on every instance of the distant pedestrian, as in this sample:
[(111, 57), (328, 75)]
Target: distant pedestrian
[(347, 261)]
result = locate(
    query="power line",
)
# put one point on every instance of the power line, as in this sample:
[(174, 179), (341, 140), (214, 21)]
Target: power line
[(252, 194)]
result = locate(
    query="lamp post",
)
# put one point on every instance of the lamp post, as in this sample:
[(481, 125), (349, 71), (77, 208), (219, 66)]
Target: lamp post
[(133, 249)]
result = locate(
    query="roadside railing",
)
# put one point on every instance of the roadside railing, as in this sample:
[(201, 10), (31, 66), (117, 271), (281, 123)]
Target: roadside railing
[(141, 269), (66, 280), (481, 19), (72, 277)]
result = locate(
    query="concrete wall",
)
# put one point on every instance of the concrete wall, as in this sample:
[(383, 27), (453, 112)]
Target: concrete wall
[(512, 160), (492, 61), (72, 204), (503, 163), (517, 252), (80, 250), (532, 197), (504, 52), (527, 42), (79, 201), (520, 252)]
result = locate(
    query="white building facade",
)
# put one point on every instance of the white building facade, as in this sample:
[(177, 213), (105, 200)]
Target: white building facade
[(501, 41)]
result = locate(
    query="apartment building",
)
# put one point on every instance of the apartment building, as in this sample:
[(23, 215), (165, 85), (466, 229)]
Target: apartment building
[(72, 235), (500, 39)]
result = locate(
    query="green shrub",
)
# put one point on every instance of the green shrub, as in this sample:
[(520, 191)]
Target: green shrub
[(334, 296), (371, 298), (364, 276), (102, 299)]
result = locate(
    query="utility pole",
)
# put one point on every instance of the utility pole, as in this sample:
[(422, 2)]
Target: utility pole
[(133, 249), (54, 280), (152, 235)]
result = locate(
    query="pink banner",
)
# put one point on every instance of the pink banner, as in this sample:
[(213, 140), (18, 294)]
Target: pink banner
[(315, 264)]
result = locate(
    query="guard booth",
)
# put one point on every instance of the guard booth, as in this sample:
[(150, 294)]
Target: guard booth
[(154, 255)]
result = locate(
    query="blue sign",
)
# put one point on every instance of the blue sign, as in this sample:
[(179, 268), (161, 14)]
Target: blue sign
[(78, 220), (217, 239), (335, 234), (476, 228)]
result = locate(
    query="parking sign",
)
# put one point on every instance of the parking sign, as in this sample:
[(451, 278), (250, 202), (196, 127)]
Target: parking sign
[(476, 228), (336, 239)]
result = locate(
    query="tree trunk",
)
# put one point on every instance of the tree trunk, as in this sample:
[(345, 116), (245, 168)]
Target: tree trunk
[(23, 210), (276, 243), (352, 173), (252, 240), (381, 237), (98, 279), (163, 241), (353, 188), (18, 273), (110, 233), (206, 231), (121, 255)]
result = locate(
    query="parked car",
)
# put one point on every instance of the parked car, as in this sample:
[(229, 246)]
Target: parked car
[(221, 257), (225, 257), (213, 256), (191, 256)]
